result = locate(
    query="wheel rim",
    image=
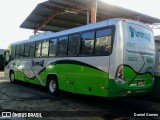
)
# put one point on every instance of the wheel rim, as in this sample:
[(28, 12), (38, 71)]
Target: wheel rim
[(12, 77), (52, 86)]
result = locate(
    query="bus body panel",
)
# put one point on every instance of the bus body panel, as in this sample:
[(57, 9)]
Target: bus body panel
[(76, 74), (139, 55), (116, 58), (137, 75)]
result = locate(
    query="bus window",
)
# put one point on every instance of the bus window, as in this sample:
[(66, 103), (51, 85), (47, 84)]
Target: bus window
[(21, 51), (73, 44), (38, 49), (17, 51), (13, 52), (103, 41), (53, 47), (62, 46), (32, 50), (157, 45), (45, 48), (26, 52), (87, 44)]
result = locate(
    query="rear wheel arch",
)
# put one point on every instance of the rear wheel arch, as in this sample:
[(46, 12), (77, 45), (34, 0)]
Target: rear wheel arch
[(51, 75), (11, 71), (12, 76), (52, 84)]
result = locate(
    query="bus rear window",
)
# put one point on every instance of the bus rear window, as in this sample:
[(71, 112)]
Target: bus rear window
[(140, 39)]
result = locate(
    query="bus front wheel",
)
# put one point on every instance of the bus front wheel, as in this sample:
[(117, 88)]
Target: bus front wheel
[(12, 77), (52, 86)]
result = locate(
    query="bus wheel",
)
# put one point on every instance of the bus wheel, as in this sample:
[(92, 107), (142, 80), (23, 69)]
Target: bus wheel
[(52, 86), (12, 77)]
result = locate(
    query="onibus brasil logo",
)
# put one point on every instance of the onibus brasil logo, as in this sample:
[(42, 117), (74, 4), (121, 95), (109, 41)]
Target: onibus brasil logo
[(24, 114)]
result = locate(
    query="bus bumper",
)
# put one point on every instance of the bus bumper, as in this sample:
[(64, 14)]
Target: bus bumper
[(119, 90)]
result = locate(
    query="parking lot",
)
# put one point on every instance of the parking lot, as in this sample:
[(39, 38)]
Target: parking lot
[(23, 97)]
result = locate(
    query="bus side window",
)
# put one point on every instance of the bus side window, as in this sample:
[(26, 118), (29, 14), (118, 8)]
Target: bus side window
[(13, 52), (53, 47), (73, 45), (62, 46), (21, 51), (103, 41), (45, 48), (38, 49), (157, 45), (26, 52), (32, 50), (87, 42), (17, 51)]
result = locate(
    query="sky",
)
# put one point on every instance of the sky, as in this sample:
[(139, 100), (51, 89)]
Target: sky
[(14, 12)]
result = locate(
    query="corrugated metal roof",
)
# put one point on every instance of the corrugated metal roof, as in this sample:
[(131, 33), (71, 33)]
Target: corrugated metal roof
[(69, 20)]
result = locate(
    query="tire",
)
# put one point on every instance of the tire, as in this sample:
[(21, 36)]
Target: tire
[(12, 77), (52, 86)]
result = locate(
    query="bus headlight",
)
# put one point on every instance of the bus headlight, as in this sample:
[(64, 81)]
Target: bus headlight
[(120, 75)]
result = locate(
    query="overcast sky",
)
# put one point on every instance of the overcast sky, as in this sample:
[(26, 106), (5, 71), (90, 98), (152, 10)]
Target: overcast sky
[(14, 12)]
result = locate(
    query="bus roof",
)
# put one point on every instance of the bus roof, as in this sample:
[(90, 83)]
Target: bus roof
[(47, 35)]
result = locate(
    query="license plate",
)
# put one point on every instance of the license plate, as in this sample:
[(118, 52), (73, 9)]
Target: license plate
[(140, 82)]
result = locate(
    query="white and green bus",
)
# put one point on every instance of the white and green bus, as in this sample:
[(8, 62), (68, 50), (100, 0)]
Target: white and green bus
[(111, 58)]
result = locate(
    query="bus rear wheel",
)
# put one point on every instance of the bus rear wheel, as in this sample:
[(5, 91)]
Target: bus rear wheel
[(52, 86), (12, 77)]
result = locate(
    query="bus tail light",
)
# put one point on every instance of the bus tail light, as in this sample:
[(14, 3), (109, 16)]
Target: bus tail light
[(120, 75)]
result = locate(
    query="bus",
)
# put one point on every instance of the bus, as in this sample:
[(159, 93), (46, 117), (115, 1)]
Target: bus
[(111, 58), (2, 59)]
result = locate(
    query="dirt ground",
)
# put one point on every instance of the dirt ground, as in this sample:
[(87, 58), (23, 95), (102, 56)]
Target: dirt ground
[(27, 98)]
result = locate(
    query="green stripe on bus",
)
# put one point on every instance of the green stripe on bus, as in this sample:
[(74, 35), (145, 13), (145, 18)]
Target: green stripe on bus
[(81, 78)]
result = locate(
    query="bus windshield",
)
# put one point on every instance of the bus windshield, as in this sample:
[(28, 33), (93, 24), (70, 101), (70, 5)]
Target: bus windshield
[(140, 39)]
